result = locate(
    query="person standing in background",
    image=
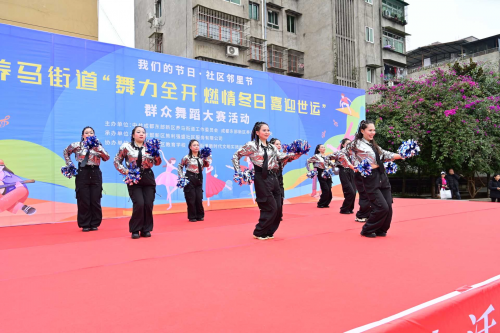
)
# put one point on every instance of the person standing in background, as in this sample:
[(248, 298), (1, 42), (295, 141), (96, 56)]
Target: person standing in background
[(494, 186), (453, 184)]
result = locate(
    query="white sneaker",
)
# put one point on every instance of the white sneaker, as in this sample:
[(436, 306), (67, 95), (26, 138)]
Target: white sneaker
[(259, 238), (270, 237), (361, 220)]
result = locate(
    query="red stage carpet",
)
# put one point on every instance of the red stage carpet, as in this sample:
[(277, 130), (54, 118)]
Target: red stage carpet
[(318, 275)]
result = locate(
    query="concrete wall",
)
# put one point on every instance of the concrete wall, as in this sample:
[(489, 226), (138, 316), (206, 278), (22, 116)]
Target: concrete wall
[(65, 17), (493, 59)]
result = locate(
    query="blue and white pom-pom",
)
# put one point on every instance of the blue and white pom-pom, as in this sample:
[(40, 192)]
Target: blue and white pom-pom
[(69, 170), (91, 142), (182, 182), (246, 176), (153, 147), (205, 152), (409, 148), (364, 168), (133, 176), (327, 173), (311, 174), (300, 147), (390, 167)]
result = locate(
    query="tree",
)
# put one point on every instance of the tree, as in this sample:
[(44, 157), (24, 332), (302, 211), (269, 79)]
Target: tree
[(454, 114)]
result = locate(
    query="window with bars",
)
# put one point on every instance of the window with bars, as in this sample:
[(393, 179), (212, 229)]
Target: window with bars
[(256, 50), (272, 19), (369, 34), (295, 62), (291, 23), (393, 42), (254, 11), (392, 8), (220, 26), (276, 57)]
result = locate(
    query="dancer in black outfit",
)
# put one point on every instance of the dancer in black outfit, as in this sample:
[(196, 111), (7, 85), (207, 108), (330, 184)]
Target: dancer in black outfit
[(377, 185), (143, 193), (193, 191), (265, 158), (346, 176), (88, 181), (277, 144), (322, 162)]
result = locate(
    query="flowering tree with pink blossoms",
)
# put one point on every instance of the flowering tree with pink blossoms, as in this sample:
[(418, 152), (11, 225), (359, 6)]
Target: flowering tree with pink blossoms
[(453, 113)]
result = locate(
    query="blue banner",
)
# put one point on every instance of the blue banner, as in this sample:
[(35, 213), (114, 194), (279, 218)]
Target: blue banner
[(52, 86)]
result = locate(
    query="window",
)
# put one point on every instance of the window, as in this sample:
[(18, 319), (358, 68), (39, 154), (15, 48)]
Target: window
[(254, 11), (369, 75), (393, 42), (290, 23), (238, 2), (369, 1), (158, 8), (369, 34), (272, 19)]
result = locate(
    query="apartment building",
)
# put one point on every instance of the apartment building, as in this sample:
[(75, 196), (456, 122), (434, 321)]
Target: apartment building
[(346, 42)]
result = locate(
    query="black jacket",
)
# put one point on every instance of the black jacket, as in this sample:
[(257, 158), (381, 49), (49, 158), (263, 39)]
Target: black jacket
[(493, 185), (453, 181), (439, 183)]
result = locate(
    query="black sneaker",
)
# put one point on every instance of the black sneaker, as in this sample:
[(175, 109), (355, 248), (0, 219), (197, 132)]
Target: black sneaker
[(85, 229), (28, 210), (145, 234), (193, 220), (202, 219), (381, 234), (94, 229), (135, 235), (370, 235)]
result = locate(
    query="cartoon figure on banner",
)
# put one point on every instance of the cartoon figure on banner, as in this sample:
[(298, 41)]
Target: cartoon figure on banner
[(168, 179), (213, 185), (4, 122), (243, 169), (345, 102), (13, 192)]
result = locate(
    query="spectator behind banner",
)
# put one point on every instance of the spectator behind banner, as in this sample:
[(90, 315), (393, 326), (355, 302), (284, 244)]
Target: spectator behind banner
[(442, 187), (494, 187), (453, 184)]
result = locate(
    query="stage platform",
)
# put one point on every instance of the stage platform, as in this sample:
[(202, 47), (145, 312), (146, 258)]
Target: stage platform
[(317, 275)]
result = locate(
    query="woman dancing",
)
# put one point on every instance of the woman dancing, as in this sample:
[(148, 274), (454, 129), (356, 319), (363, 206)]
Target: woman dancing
[(88, 181), (377, 184), (322, 162), (265, 158), (193, 191), (143, 193), (168, 179), (277, 144)]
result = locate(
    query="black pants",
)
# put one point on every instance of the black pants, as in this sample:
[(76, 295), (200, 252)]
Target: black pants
[(378, 189), (88, 184), (349, 188), (326, 190), (193, 192), (143, 197), (268, 194), (495, 199), (364, 202), (282, 200), (456, 194)]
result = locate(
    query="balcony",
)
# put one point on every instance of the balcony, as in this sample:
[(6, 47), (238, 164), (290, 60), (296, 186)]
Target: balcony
[(220, 28), (276, 58), (295, 63), (156, 42), (399, 19), (393, 42), (256, 51), (394, 10)]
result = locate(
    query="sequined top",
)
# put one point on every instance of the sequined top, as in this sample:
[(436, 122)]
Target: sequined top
[(256, 155), (191, 164), (95, 156), (321, 162), (130, 153), (358, 150)]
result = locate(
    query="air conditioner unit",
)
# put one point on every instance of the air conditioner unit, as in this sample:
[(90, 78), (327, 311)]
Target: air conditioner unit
[(151, 17), (232, 51), (156, 22)]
